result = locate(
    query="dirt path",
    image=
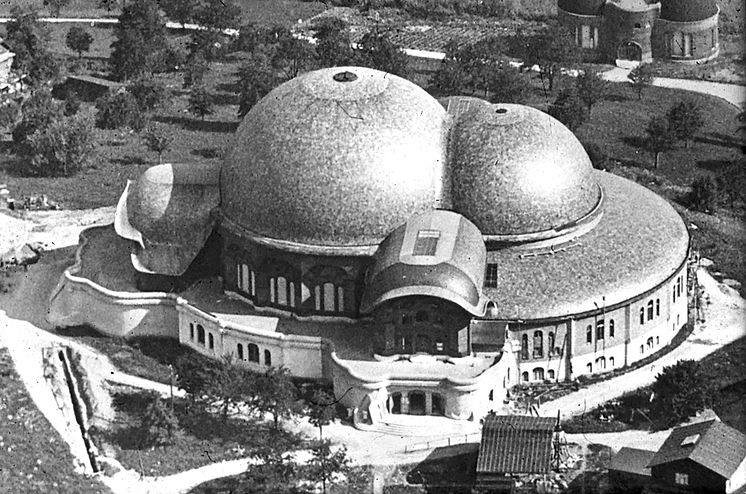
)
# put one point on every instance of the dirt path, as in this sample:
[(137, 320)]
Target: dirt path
[(725, 322)]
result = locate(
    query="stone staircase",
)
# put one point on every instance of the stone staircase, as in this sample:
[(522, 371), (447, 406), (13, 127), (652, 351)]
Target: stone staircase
[(423, 426)]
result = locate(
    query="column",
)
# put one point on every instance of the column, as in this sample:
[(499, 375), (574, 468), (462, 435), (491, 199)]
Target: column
[(428, 403), (404, 403)]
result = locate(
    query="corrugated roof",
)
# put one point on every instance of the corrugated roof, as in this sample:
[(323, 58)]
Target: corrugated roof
[(632, 460), (719, 448), (516, 444), (454, 271)]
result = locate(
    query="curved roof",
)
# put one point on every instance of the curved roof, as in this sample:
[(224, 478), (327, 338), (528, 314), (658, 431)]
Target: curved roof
[(632, 5), (336, 157), (169, 212), (438, 254), (516, 171), (582, 7), (639, 242), (688, 10)]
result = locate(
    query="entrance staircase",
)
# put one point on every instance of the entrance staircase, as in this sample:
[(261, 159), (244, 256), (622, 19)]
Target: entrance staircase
[(423, 426)]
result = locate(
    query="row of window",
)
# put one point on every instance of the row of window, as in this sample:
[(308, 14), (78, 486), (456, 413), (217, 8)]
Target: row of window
[(327, 297), (677, 288), (411, 343), (538, 345), (204, 338), (600, 330), (252, 354), (538, 375), (649, 344), (654, 310), (586, 36), (600, 365)]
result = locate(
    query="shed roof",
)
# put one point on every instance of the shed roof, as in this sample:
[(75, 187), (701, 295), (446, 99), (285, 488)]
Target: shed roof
[(711, 444), (516, 444), (632, 460)]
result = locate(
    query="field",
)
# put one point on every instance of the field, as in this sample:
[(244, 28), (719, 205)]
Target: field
[(33, 457)]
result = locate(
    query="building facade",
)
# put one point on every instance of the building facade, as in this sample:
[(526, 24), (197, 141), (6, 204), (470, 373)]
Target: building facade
[(638, 31), (424, 258)]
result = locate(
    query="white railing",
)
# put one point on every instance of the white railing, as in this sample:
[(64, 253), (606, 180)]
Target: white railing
[(444, 442)]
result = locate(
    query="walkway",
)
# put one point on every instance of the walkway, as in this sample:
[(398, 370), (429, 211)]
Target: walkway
[(732, 93), (113, 20)]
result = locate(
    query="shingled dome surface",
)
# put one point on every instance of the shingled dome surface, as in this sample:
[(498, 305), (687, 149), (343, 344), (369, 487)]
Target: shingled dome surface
[(336, 157), (688, 10), (518, 171), (582, 7)]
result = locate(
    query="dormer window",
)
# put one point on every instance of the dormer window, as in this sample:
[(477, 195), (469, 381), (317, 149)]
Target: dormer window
[(690, 440), (426, 243)]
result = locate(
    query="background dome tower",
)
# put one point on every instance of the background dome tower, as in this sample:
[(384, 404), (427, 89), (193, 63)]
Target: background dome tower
[(687, 31), (584, 18), (628, 26)]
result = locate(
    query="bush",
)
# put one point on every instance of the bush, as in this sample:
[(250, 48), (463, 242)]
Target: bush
[(679, 392), (569, 109), (61, 148), (158, 423), (119, 110), (704, 194), (597, 154), (148, 92)]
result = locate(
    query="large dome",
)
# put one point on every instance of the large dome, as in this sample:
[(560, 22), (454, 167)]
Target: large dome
[(336, 157), (688, 10), (519, 173)]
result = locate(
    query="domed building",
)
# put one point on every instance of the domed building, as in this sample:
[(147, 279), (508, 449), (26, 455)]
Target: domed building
[(633, 31), (424, 258)]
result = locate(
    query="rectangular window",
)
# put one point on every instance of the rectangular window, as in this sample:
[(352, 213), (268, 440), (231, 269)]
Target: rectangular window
[(588, 37), (426, 243), (600, 329), (682, 478), (490, 279)]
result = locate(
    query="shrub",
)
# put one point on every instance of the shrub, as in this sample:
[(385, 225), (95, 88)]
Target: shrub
[(61, 148), (679, 392), (119, 110), (597, 154), (569, 109), (78, 40), (704, 194), (148, 92), (158, 422)]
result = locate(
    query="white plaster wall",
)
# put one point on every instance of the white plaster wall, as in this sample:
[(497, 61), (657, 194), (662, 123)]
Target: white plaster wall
[(738, 479)]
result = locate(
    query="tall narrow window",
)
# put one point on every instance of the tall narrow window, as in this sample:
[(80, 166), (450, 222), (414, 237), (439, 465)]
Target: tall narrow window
[(211, 341), (550, 374), (191, 331), (589, 334), (538, 344), (650, 343), (589, 368), (657, 307), (282, 290), (550, 344), (200, 334), (490, 278), (239, 351), (426, 243), (524, 377), (650, 310), (600, 329), (340, 299), (674, 293), (253, 353), (524, 347), (642, 315), (611, 362), (611, 328), (267, 357)]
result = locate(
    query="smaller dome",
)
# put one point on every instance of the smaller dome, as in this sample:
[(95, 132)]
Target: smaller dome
[(688, 10), (520, 175), (582, 7)]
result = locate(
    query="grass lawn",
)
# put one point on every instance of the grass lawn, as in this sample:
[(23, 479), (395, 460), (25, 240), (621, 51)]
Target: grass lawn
[(33, 457), (204, 438)]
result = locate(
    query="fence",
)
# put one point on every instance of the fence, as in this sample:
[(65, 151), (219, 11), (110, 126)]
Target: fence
[(443, 442)]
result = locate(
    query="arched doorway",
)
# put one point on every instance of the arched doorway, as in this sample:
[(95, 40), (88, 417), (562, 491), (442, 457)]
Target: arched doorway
[(629, 51), (417, 403), (394, 404)]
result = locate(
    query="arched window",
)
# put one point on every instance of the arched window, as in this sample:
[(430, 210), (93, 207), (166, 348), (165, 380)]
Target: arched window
[(589, 334), (589, 368), (550, 345), (611, 328), (491, 396), (674, 293), (538, 374), (239, 351), (438, 405), (650, 342), (524, 347), (405, 318), (281, 292), (422, 316), (601, 363), (657, 340), (642, 315), (550, 374), (253, 352), (267, 357), (678, 287), (642, 349), (524, 377), (611, 362), (600, 329), (657, 307), (538, 344), (246, 279), (650, 310), (191, 331), (200, 334), (211, 341)]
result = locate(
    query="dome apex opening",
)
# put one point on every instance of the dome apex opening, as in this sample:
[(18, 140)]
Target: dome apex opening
[(345, 76)]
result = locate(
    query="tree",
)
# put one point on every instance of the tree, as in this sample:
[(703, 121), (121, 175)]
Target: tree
[(256, 78), (659, 138), (78, 40), (333, 47), (321, 411), (195, 70), (140, 40), (450, 79), (552, 50), (215, 16), (591, 88), (274, 474), (597, 154), (506, 85), (55, 6), (61, 148), (680, 391), (685, 120), (29, 39), (704, 194), (148, 92), (375, 50), (181, 11), (275, 394), (158, 422), (568, 108), (325, 463), (641, 77), (292, 55), (195, 374), (158, 140), (200, 102), (72, 104), (37, 112), (119, 110)]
